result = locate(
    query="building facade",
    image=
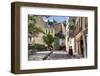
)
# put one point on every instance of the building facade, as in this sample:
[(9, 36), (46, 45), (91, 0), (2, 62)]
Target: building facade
[(60, 34), (69, 34), (58, 31), (80, 35)]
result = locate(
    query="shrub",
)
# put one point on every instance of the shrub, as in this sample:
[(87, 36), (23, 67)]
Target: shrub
[(39, 47)]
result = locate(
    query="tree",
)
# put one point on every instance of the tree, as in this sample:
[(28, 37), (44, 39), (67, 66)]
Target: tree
[(48, 39), (32, 29), (31, 23)]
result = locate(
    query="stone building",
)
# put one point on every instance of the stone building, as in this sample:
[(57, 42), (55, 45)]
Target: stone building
[(60, 32), (80, 34)]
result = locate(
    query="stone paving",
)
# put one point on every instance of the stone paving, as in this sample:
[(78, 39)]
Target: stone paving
[(55, 55), (38, 55)]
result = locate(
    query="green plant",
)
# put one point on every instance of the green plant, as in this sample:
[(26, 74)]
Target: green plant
[(48, 39), (32, 29), (39, 47)]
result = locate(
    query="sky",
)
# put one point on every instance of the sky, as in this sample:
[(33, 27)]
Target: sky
[(59, 19)]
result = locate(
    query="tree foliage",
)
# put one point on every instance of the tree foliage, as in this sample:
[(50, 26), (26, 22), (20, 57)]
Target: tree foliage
[(32, 29), (48, 39)]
